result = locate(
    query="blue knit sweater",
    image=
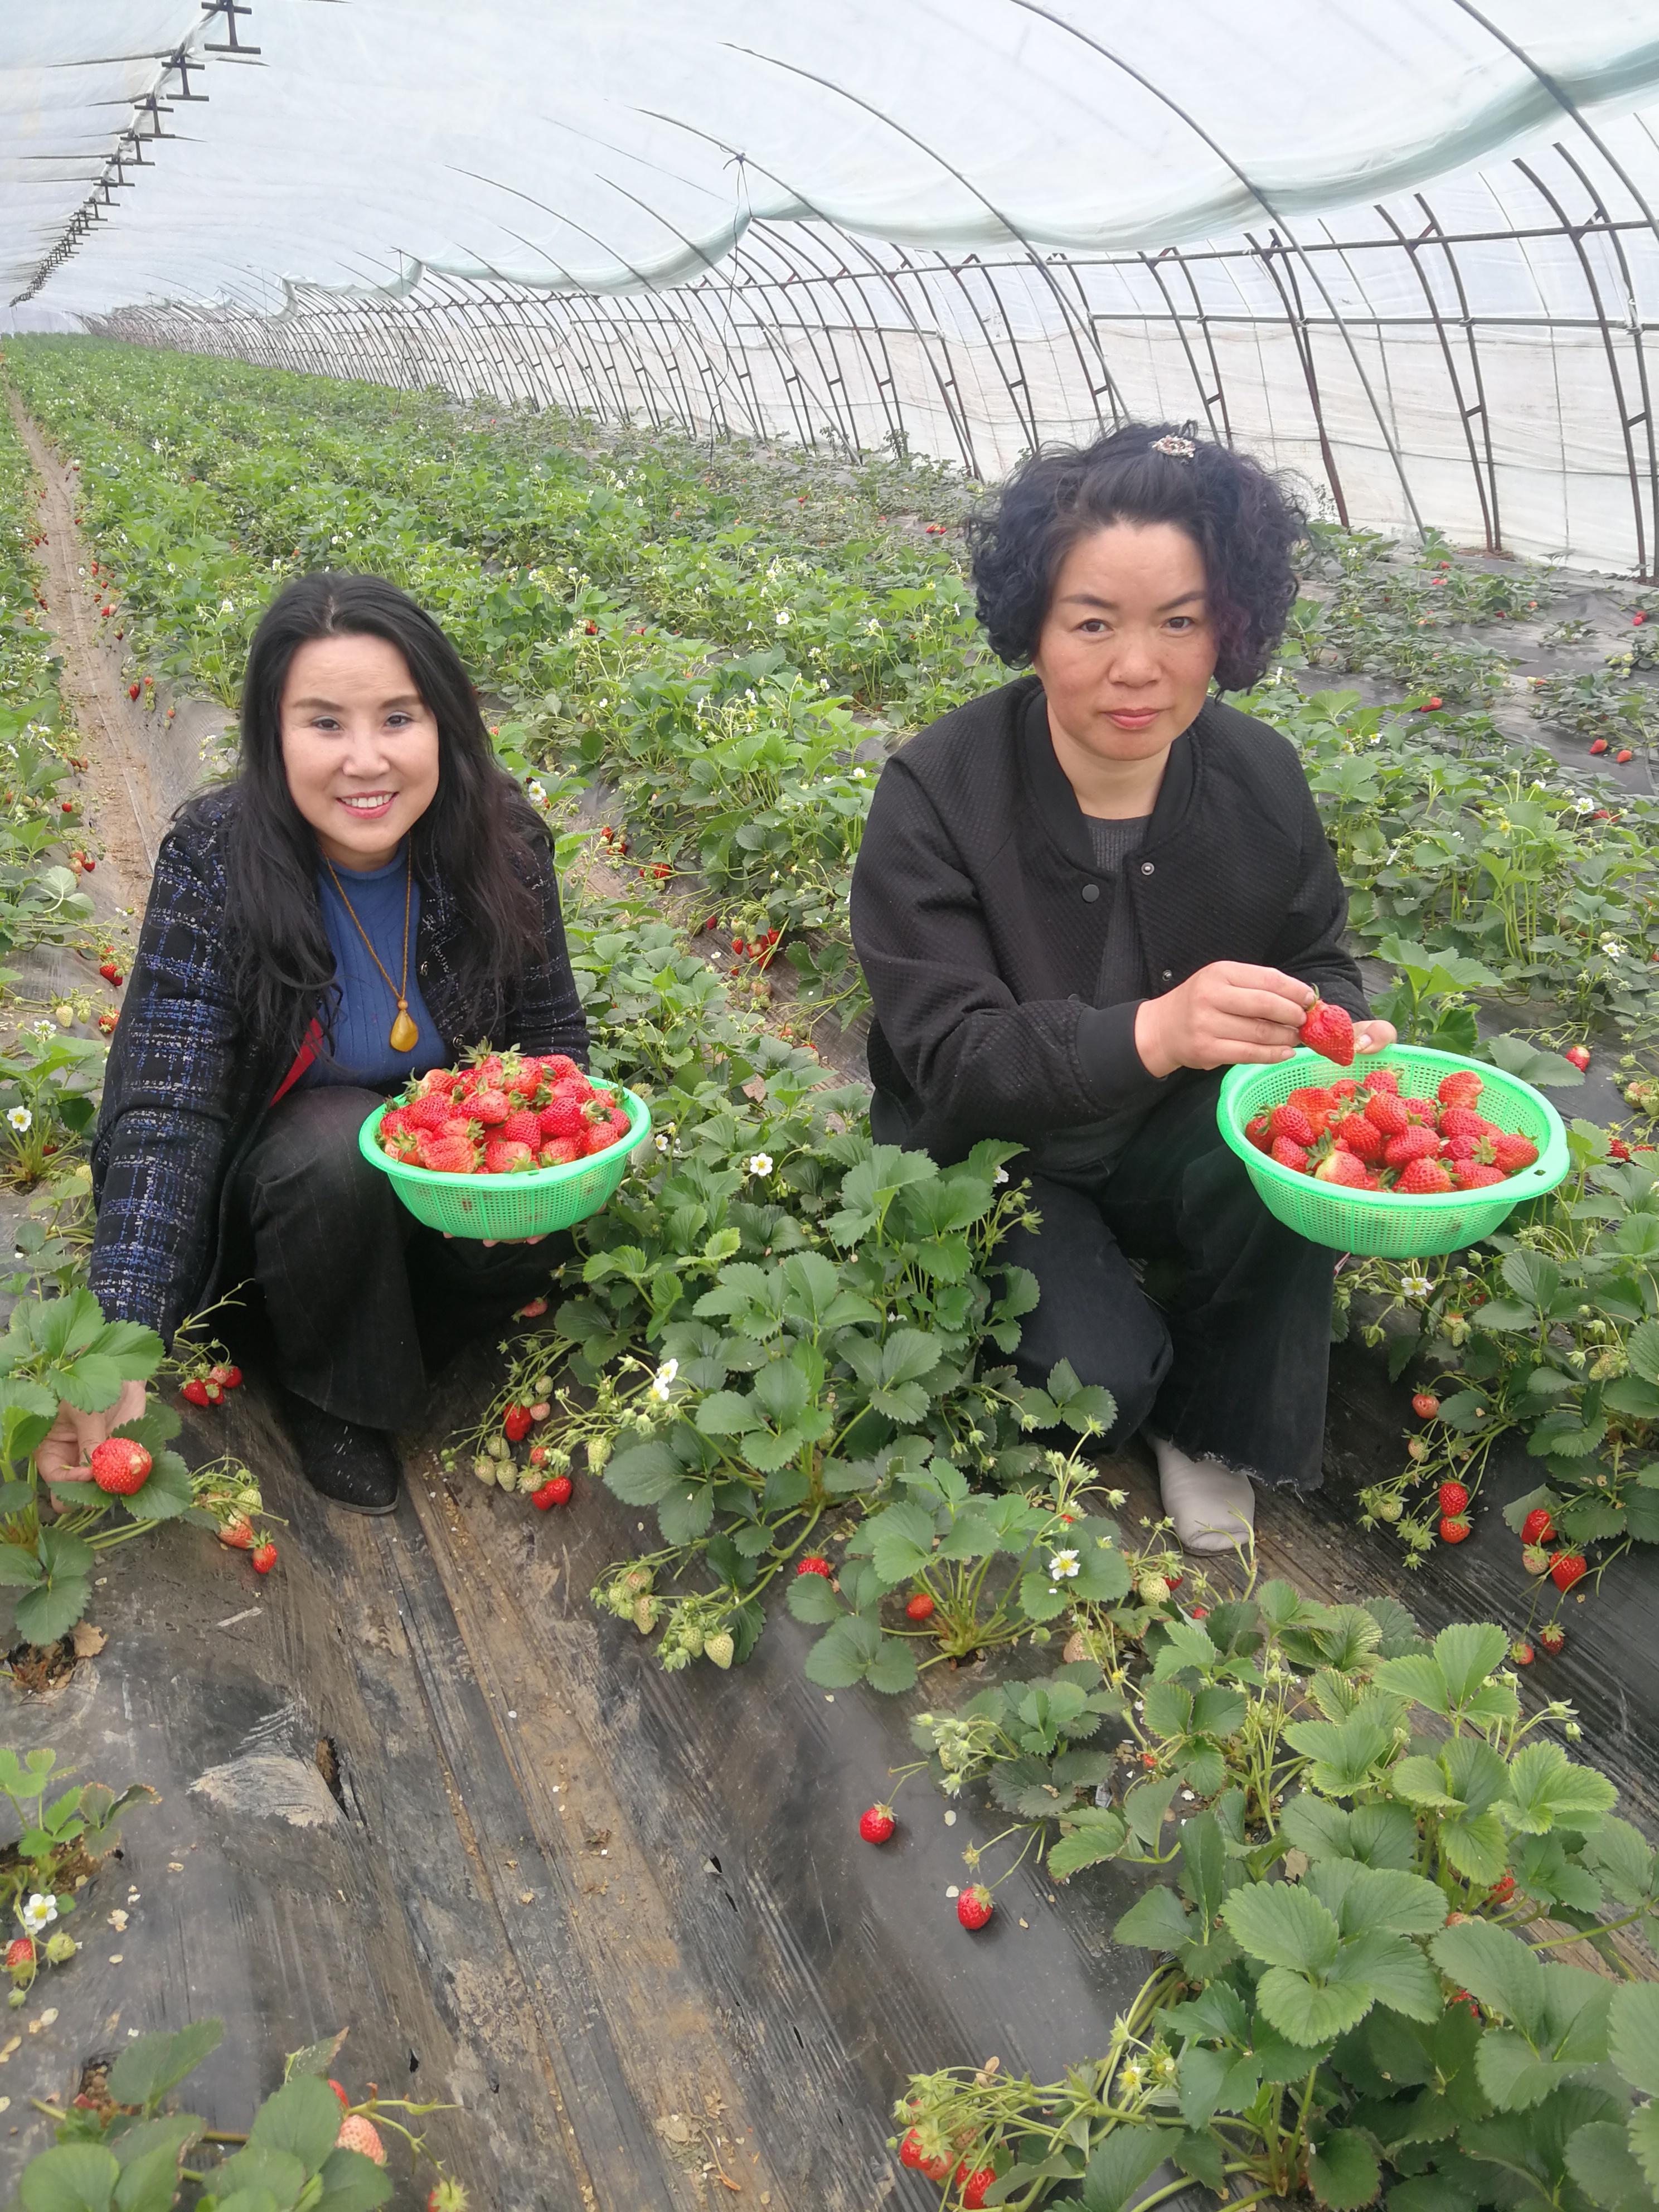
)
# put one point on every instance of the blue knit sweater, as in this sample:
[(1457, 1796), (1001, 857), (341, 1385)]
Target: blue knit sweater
[(361, 1052)]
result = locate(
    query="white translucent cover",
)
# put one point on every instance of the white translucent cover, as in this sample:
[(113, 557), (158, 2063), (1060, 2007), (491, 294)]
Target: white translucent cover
[(1407, 245)]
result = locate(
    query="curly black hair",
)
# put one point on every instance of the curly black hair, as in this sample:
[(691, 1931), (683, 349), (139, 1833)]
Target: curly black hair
[(1244, 520)]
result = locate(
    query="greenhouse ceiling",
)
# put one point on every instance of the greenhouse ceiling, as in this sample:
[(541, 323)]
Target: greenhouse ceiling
[(1409, 248)]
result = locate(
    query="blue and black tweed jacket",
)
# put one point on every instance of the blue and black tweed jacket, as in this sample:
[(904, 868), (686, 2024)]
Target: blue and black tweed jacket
[(187, 1085)]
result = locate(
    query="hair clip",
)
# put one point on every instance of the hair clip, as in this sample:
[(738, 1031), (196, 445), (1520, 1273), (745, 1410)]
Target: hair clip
[(1178, 449)]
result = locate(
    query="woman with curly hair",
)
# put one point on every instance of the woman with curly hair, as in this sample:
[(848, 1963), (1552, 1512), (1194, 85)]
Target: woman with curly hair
[(1082, 896)]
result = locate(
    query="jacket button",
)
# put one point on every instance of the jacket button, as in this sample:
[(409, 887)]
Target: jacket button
[(1169, 974), (1091, 893), (421, 971), (1146, 867)]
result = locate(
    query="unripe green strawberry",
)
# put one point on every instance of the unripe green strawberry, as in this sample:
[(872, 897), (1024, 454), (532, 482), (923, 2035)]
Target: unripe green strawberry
[(645, 1610), (720, 1649), (1536, 1560), (60, 1948)]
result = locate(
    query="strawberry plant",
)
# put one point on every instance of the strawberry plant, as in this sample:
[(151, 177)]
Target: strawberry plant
[(309, 2148), (54, 1855)]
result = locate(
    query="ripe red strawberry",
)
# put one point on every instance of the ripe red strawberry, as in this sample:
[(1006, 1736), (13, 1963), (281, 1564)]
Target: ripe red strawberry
[(921, 1607), (1259, 1131), (556, 1491), (1512, 1153), (516, 1424), (508, 1159), (195, 1391), (1453, 1527), (913, 2153), (1538, 1527), (1318, 1105), (1578, 1054), (1423, 1178), (1473, 1175), (110, 973), (562, 1118), (1388, 1112), (1415, 1143), (1502, 1890), (975, 1906), (1289, 1155), (1464, 1122), (1346, 1169), (812, 1564), (1426, 1405), (431, 1110), (120, 1465), (227, 1378), (1598, 745), (1328, 1030), (877, 1824), (1566, 1568), (19, 1954), (1461, 1088), (489, 1105), (974, 2186), (238, 1534), (446, 1155), (1553, 1637), (1521, 1652), (1382, 1078), (263, 1558), (1454, 1498), (599, 1139), (524, 1127), (1360, 1135), (359, 2133), (526, 1079), (559, 1151), (132, 690), (1290, 1123)]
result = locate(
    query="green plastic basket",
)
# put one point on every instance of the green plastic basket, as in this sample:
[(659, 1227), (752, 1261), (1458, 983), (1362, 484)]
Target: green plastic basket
[(533, 1204), (1380, 1225)]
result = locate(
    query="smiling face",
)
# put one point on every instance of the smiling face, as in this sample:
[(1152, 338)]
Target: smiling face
[(360, 747), (1128, 649)]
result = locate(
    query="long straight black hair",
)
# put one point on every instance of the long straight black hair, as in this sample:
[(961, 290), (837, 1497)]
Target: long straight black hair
[(474, 838)]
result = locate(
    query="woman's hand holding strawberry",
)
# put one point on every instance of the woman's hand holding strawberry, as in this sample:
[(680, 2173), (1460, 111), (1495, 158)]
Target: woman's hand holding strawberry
[(1231, 1013), (65, 1454)]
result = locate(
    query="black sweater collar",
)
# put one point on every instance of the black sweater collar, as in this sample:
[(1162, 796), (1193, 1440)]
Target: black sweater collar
[(1056, 801)]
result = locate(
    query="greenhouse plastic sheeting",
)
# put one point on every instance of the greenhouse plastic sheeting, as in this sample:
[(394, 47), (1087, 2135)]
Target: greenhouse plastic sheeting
[(1410, 249)]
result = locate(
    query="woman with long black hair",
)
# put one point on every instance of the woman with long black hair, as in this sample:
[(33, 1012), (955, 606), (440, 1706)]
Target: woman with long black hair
[(369, 897), (1083, 895)]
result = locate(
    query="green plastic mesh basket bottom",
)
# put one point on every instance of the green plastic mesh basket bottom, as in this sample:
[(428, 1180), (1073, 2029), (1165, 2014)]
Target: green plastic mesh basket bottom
[(1379, 1225), (532, 1205)]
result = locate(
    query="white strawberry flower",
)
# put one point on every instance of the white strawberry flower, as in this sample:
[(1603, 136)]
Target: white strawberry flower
[(1063, 1565), (782, 618), (663, 1381), (1416, 1285), (1001, 1175), (662, 1142), (760, 1164), (20, 1119), (40, 1912)]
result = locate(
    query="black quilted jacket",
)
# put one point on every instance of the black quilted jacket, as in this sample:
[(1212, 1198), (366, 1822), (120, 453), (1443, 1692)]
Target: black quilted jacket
[(977, 913), (187, 1085)]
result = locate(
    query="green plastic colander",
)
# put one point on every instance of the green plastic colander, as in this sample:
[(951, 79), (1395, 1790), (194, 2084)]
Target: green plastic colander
[(533, 1204), (1381, 1224)]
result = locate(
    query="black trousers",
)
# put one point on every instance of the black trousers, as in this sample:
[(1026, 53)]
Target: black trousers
[(358, 1297), (1223, 1343)]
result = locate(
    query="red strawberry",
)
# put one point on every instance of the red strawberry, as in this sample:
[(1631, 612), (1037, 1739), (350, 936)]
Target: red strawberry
[(1259, 1133), (1289, 1155), (263, 1558), (1598, 745), (1453, 1527), (238, 1534), (1512, 1153), (1622, 756), (120, 1465), (110, 972), (1360, 1135), (132, 690), (522, 1128), (1328, 1030), (1423, 1178), (227, 1378), (556, 1491), (1578, 1054), (559, 1151), (527, 1079), (877, 1824), (913, 2153), (1502, 1890), (812, 1565), (599, 1139), (1461, 1088), (975, 1906), (1388, 1112), (195, 1391), (1538, 1527), (921, 1607), (508, 1159), (1471, 1175), (1426, 1405), (1567, 1568), (563, 1118), (1453, 1497), (1346, 1169), (1464, 1122), (1553, 1637), (559, 1068), (431, 1110), (516, 1424), (19, 1954), (489, 1105), (446, 1155), (974, 2186), (1382, 1078), (1521, 1652), (1290, 1123), (1415, 1143), (1316, 1104)]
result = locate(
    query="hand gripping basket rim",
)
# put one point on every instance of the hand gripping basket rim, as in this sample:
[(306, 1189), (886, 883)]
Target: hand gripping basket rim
[(505, 1205), (1384, 1224)]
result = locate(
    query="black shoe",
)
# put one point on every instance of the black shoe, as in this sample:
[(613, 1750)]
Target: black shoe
[(355, 1466)]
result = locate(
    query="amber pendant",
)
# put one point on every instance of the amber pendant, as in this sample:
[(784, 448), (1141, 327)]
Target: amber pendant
[(405, 1035)]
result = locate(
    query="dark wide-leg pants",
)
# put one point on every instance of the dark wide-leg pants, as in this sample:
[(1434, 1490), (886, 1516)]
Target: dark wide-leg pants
[(1223, 1343), (358, 1296)]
